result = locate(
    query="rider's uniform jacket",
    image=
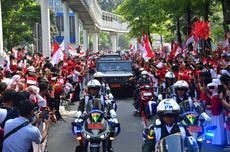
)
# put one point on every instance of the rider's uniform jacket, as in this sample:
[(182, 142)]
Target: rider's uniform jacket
[(158, 132), (89, 102), (166, 90), (179, 99), (105, 89)]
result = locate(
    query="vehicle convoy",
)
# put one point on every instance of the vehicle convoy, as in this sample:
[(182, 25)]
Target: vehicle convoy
[(117, 74)]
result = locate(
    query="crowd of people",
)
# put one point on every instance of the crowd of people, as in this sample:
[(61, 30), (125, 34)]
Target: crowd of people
[(31, 89), (203, 79)]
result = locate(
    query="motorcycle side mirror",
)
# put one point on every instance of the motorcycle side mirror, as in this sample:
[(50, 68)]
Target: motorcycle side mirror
[(114, 125)]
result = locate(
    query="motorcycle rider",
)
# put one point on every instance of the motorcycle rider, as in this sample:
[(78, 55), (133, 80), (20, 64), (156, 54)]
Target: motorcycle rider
[(166, 88), (181, 91), (168, 111), (143, 80), (94, 87), (105, 89)]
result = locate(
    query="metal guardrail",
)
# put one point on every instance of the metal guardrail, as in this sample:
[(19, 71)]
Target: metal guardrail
[(106, 20)]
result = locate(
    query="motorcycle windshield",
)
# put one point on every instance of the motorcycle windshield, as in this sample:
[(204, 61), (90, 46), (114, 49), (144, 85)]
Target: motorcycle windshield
[(93, 105), (190, 106), (186, 106), (177, 143)]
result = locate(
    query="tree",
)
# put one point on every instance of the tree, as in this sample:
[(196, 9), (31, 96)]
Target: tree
[(19, 17), (109, 5)]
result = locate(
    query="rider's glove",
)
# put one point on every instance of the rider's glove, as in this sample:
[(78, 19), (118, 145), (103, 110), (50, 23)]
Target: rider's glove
[(205, 116), (78, 114), (113, 113)]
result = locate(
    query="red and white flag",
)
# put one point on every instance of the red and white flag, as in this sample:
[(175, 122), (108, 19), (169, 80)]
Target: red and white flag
[(176, 49), (226, 43), (148, 48), (57, 53), (31, 80)]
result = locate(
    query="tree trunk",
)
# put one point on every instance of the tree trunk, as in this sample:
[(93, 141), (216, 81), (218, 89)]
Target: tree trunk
[(225, 26), (207, 43), (188, 12), (179, 40)]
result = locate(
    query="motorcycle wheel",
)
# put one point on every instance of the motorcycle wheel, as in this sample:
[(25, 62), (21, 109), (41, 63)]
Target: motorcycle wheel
[(78, 149), (95, 149)]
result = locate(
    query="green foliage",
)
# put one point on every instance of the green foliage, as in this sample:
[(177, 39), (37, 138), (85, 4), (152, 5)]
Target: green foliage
[(109, 5), (104, 41), (123, 42), (19, 17), (159, 16)]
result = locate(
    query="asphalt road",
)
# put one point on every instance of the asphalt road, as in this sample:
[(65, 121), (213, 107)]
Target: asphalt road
[(61, 138)]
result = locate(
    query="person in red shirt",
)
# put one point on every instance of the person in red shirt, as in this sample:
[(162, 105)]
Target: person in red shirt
[(217, 118)]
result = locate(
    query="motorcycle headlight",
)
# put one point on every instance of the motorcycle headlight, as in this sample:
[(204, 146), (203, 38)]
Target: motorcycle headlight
[(104, 136), (86, 136)]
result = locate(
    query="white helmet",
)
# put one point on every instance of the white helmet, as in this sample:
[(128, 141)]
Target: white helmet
[(94, 84), (98, 75), (144, 73), (168, 106), (170, 75), (142, 69), (181, 84), (212, 87)]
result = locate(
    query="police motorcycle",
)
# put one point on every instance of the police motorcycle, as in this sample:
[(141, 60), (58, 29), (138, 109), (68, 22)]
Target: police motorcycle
[(94, 129), (193, 116), (177, 143)]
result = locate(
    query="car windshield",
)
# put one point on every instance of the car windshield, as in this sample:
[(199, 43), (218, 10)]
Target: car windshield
[(110, 58), (118, 66)]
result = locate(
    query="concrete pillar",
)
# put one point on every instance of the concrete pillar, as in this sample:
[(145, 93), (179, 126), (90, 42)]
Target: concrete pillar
[(77, 29), (114, 41), (85, 40), (45, 17), (66, 26), (1, 35), (95, 42)]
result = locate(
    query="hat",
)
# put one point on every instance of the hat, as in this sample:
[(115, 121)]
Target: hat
[(3, 113)]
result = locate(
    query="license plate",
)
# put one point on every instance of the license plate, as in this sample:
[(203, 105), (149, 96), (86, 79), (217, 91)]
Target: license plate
[(95, 126), (195, 128), (147, 94), (115, 85)]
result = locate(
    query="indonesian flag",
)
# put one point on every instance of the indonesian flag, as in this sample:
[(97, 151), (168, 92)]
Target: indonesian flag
[(176, 49), (31, 80), (226, 43), (57, 53), (71, 50), (148, 49)]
